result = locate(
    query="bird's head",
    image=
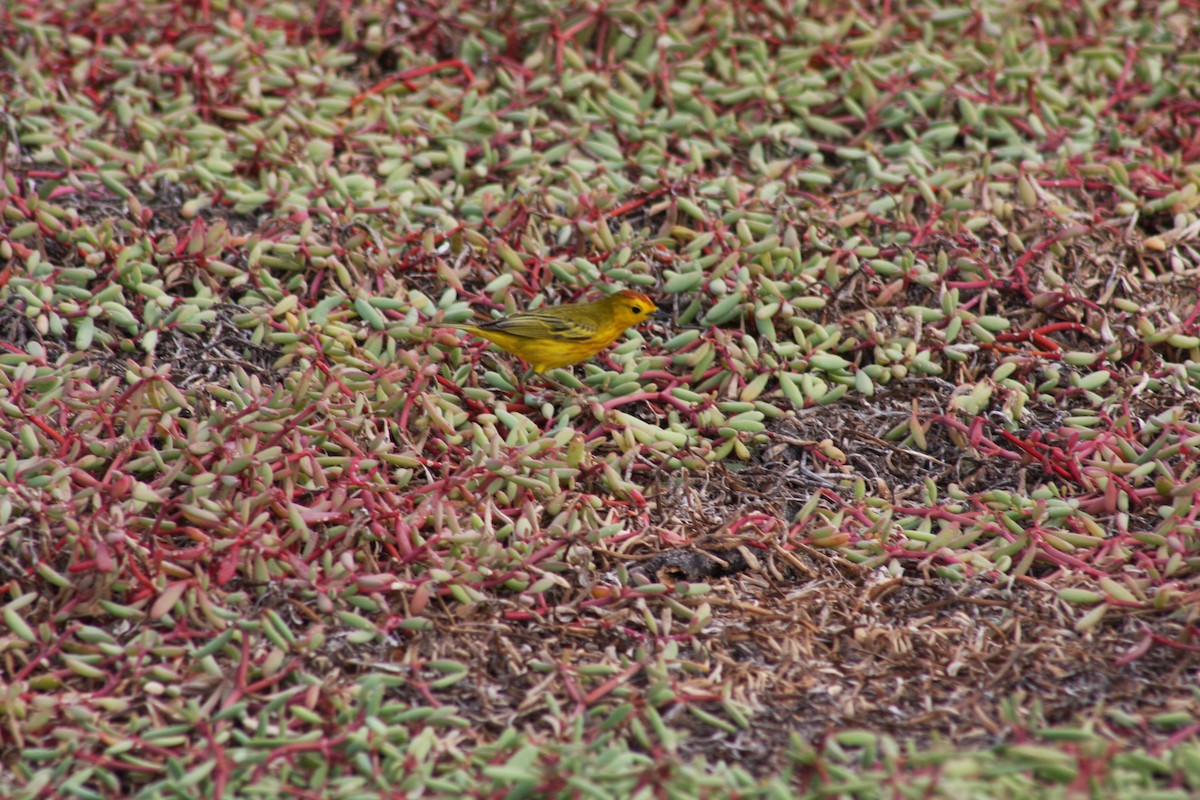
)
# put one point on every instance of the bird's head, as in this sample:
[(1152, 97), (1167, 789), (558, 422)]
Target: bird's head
[(631, 307)]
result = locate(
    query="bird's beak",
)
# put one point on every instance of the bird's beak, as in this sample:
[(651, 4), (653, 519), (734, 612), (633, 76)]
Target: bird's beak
[(662, 315)]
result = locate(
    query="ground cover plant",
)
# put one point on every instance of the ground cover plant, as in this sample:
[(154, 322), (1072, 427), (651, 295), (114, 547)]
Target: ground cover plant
[(900, 502)]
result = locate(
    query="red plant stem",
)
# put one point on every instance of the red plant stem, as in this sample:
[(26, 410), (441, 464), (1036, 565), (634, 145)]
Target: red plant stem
[(977, 439), (106, 762), (650, 397), (1054, 327), (323, 746), (240, 675), (415, 73), (572, 688), (612, 683), (222, 771)]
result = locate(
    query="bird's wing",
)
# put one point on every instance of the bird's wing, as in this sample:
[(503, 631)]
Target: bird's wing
[(542, 325)]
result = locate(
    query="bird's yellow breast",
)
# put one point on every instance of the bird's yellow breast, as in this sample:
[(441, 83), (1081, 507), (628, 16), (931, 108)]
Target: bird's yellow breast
[(544, 354)]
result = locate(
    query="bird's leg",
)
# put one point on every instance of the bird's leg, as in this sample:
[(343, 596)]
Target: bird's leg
[(522, 380)]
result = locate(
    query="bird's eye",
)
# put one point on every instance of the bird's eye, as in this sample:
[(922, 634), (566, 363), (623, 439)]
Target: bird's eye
[(636, 309)]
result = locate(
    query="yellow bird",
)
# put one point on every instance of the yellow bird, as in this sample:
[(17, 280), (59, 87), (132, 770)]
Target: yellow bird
[(563, 335)]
